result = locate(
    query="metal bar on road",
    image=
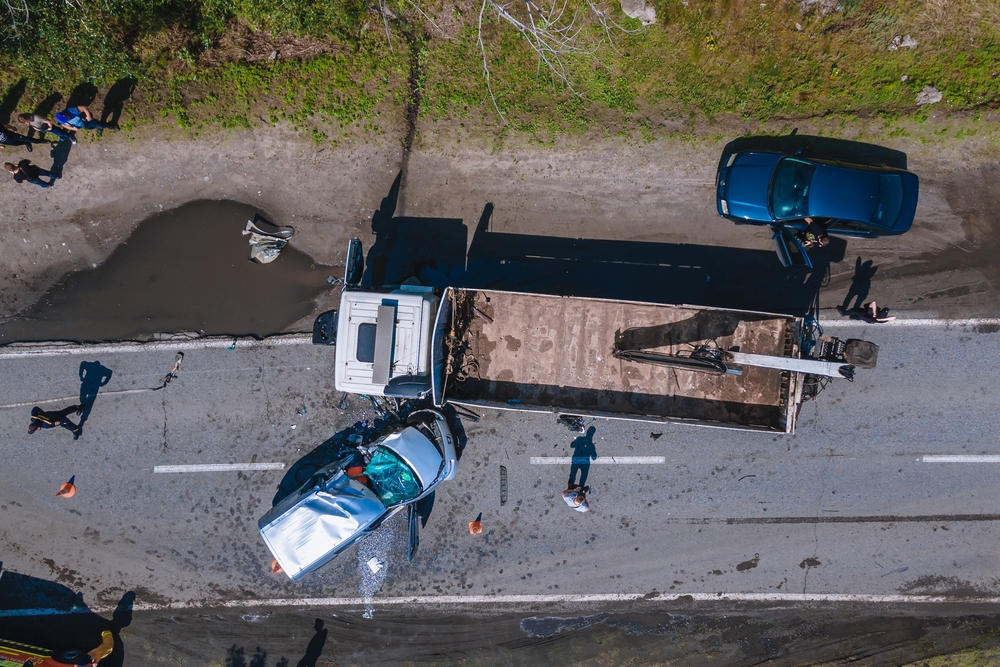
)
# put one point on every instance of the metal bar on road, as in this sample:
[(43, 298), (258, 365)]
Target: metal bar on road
[(600, 460), (219, 467), (961, 458)]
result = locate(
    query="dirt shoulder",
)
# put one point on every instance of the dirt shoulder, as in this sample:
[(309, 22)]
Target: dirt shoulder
[(658, 192)]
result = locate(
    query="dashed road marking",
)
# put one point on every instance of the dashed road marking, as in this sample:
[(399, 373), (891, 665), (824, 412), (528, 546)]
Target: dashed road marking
[(600, 460), (960, 458), (219, 467)]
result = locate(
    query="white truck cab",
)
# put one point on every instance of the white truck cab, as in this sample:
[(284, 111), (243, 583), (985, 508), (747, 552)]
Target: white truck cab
[(384, 341)]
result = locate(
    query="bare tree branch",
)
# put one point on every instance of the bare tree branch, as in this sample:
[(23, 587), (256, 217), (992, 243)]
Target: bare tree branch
[(486, 67)]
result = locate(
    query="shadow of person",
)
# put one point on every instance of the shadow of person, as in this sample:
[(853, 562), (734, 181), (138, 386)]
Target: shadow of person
[(583, 453), (60, 155), (861, 284), (8, 104), (114, 100), (93, 376), (83, 95), (121, 618), (315, 648)]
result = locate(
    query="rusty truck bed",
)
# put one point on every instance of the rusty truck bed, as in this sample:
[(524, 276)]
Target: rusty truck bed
[(530, 351)]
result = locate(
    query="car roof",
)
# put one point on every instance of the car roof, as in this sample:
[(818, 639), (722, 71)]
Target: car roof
[(842, 192), (418, 452)]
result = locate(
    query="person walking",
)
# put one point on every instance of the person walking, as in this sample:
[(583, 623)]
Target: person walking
[(41, 125), (32, 173), (576, 498), (8, 137), (80, 118), (42, 419)]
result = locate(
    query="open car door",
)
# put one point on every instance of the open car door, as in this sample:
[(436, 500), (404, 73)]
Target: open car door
[(789, 247), (355, 268)]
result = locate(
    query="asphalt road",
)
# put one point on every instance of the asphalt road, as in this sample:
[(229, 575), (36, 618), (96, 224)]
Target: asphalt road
[(847, 506)]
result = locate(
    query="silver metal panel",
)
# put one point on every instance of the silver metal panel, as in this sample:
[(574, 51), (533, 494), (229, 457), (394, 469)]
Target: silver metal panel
[(309, 533), (385, 325), (810, 366), (418, 452)]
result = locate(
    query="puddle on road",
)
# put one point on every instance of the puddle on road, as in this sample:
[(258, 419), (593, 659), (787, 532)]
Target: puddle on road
[(187, 269)]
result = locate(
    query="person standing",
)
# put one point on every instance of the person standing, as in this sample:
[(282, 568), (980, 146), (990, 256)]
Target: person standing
[(41, 125), (32, 173), (42, 419), (576, 498), (80, 118), (8, 137)]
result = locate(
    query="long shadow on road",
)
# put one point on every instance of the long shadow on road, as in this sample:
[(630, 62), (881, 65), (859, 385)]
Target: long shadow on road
[(433, 251), (52, 616)]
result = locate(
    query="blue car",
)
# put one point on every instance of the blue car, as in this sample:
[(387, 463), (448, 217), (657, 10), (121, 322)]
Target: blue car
[(757, 187)]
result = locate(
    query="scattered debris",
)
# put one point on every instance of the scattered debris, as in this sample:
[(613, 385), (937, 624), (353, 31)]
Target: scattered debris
[(173, 371), (655, 436), (638, 9), (374, 564), (476, 527), (896, 571), (67, 490), (810, 562), (266, 246), (929, 95), (904, 78), (798, 26), (902, 42), (503, 485), (275, 568), (572, 422)]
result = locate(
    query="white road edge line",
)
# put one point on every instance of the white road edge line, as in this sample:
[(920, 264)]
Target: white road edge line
[(525, 600), (600, 460), (915, 322), (24, 350), (960, 458), (219, 467)]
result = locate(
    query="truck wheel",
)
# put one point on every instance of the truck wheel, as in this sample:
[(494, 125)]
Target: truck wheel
[(72, 656)]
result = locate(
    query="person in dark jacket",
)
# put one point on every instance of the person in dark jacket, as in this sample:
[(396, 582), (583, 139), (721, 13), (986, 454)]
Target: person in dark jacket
[(25, 171), (8, 137), (42, 419)]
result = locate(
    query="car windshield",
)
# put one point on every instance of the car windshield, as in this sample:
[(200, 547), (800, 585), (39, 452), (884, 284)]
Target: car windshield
[(790, 189), (890, 199), (390, 478)]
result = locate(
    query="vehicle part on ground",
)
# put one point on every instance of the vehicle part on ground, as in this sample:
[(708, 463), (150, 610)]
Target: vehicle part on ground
[(265, 246)]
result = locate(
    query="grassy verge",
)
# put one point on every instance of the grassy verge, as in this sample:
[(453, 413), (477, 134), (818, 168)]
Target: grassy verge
[(332, 70)]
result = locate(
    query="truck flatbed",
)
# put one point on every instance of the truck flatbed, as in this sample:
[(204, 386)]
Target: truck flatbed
[(538, 352)]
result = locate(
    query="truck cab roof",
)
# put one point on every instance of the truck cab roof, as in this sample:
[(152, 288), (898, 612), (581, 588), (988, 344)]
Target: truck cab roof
[(381, 336)]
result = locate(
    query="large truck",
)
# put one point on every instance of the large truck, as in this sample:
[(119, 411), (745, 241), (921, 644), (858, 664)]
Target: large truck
[(580, 356)]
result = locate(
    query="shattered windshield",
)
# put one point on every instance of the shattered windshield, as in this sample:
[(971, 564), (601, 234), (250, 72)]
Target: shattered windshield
[(391, 479)]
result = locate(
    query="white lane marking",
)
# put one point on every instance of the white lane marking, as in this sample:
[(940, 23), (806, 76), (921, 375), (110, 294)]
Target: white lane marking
[(522, 600), (960, 458), (21, 351), (66, 399), (916, 322), (219, 467), (600, 460)]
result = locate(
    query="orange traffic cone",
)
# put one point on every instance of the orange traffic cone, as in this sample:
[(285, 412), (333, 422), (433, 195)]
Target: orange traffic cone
[(275, 568), (67, 490), (476, 527)]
